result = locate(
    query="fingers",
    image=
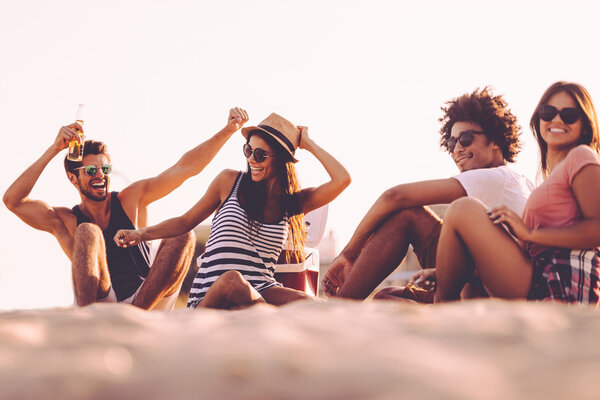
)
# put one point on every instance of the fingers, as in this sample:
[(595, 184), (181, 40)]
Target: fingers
[(328, 287), (330, 283), (238, 116), (416, 277), (65, 134), (118, 239), (125, 238), (495, 213)]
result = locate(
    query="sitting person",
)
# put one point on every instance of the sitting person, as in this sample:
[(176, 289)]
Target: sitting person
[(103, 272), (482, 136), (556, 254), (255, 212)]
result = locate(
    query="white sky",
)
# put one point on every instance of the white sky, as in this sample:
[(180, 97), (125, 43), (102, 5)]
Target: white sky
[(158, 77)]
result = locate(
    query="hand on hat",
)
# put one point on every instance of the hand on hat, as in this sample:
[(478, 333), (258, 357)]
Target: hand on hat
[(304, 138), (237, 118)]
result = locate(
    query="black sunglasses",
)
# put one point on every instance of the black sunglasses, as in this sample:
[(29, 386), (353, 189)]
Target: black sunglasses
[(259, 154), (569, 115), (91, 170), (465, 138)]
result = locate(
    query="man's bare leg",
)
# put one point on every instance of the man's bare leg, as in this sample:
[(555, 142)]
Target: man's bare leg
[(231, 291), (387, 248), (91, 279), (168, 270)]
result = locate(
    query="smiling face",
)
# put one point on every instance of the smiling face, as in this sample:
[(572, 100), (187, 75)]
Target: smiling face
[(94, 187), (556, 133), (266, 169), (481, 153)]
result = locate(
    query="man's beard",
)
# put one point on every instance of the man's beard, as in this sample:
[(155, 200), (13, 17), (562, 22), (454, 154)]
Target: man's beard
[(92, 196)]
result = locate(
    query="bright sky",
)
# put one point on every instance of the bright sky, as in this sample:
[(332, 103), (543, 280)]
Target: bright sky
[(158, 77)]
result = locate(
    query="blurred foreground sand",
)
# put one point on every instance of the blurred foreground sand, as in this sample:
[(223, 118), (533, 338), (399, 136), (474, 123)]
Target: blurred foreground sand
[(330, 350)]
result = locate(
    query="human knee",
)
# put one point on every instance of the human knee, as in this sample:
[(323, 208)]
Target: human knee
[(462, 208), (87, 232), (230, 281), (406, 221)]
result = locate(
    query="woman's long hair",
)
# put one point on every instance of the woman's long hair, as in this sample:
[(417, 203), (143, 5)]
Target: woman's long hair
[(253, 197), (589, 130)]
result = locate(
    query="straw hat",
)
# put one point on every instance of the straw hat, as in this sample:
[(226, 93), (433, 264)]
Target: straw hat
[(281, 130)]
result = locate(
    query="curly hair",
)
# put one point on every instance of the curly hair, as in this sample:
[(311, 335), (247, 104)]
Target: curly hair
[(491, 112), (590, 132)]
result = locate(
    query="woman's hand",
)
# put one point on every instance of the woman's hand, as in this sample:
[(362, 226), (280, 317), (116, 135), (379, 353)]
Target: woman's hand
[(127, 237), (305, 140), (237, 118), (514, 224)]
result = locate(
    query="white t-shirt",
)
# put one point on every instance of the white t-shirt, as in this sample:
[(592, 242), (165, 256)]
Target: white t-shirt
[(499, 186)]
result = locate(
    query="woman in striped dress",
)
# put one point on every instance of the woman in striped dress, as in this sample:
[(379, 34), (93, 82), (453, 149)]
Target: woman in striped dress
[(257, 212)]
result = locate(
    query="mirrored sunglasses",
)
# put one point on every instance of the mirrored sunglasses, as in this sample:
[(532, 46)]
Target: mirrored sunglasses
[(259, 154), (465, 138), (91, 170), (568, 115)]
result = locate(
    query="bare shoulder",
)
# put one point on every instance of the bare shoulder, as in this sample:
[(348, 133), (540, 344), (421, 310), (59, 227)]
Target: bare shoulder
[(133, 191), (225, 181), (228, 175)]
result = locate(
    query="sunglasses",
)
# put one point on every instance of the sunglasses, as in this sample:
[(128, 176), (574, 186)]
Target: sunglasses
[(91, 170), (465, 138), (259, 154), (568, 115)]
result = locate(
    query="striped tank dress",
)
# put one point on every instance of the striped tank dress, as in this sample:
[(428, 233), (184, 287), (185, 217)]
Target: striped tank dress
[(234, 245)]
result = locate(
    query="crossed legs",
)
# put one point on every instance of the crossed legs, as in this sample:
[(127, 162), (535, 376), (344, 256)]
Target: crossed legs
[(91, 277), (232, 291), (469, 237)]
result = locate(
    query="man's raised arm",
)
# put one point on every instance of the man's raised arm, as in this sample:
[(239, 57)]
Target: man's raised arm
[(36, 213)]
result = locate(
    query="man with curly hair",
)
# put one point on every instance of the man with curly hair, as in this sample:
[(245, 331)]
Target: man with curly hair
[(482, 136)]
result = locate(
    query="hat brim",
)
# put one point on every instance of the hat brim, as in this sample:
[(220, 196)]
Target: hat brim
[(246, 130)]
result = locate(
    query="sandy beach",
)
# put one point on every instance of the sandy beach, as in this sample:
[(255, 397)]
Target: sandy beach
[(330, 350)]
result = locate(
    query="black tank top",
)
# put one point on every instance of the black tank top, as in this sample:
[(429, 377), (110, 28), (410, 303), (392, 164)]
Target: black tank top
[(127, 266)]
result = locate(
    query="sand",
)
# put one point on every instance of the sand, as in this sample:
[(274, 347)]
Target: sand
[(330, 350)]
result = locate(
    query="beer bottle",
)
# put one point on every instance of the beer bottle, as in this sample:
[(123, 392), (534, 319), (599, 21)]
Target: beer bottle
[(76, 144)]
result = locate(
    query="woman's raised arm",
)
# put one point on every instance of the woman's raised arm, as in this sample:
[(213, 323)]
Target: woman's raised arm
[(184, 223), (313, 198)]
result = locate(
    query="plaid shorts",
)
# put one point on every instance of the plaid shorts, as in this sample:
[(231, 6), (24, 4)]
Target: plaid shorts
[(570, 276)]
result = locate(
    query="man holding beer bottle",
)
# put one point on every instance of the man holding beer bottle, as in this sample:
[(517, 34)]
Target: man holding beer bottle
[(103, 272)]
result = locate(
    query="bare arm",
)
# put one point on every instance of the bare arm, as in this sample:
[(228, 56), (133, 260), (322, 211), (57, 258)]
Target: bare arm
[(146, 191), (400, 197), (313, 198), (178, 225), (36, 213), (581, 235)]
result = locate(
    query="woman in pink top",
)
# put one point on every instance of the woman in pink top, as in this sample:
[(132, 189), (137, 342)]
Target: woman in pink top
[(556, 253)]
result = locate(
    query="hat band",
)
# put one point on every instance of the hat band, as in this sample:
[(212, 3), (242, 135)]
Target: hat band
[(280, 136)]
